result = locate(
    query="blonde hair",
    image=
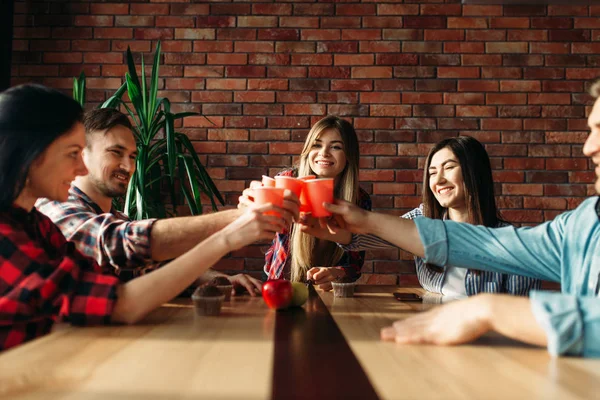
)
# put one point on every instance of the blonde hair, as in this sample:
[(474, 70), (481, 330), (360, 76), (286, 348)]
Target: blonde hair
[(303, 247)]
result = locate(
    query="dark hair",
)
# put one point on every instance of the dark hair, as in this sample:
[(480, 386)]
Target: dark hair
[(478, 182), (31, 118), (102, 120), (594, 89)]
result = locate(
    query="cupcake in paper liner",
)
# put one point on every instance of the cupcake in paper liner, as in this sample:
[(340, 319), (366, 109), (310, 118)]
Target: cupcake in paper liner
[(208, 300), (343, 287), (223, 284)]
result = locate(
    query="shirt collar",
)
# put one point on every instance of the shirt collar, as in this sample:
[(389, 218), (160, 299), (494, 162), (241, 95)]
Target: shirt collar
[(78, 194)]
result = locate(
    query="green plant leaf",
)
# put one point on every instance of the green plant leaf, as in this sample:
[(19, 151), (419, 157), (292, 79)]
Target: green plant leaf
[(114, 100), (153, 106)]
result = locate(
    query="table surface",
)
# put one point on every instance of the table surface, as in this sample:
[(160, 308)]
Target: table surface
[(175, 354)]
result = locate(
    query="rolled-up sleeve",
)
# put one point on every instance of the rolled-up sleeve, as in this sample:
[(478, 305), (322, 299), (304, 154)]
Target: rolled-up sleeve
[(571, 323)]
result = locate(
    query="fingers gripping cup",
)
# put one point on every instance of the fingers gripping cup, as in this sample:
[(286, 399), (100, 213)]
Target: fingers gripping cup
[(304, 202), (264, 195), (320, 191), (288, 182), (267, 181)]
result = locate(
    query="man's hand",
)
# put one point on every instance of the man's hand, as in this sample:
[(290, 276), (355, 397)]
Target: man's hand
[(291, 203), (323, 276), (252, 285), (455, 323), (346, 216)]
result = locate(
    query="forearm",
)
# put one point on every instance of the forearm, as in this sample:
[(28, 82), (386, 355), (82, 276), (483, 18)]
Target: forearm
[(138, 297), (512, 317), (174, 236), (398, 231)]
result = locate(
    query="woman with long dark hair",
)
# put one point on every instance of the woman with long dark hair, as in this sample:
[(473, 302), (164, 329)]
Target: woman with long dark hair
[(457, 186), (42, 276)]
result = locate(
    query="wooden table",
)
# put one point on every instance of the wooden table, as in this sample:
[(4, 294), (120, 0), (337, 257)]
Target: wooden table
[(175, 354)]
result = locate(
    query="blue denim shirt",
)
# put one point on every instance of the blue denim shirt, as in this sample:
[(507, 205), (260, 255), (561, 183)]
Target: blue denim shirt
[(565, 250)]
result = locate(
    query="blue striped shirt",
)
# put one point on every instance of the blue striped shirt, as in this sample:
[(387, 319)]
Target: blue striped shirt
[(476, 281)]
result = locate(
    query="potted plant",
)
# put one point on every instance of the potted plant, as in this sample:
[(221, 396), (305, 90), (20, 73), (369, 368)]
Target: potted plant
[(166, 161)]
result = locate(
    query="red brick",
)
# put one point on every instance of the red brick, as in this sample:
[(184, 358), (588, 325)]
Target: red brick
[(312, 59), (189, 9), (565, 60), (481, 60), (478, 86), (520, 86), (426, 22), (175, 22), (278, 34), (457, 123), (94, 20), (212, 46), (481, 10), (563, 111), (433, 111), (256, 22), (519, 111), (285, 148), (547, 177), (245, 122), (254, 97), (376, 176), (444, 34), (349, 110), (299, 22), (149, 9), (374, 123), (501, 72), (288, 122), (263, 109), (433, 85), (361, 34), (540, 203), (358, 59), (421, 98), (508, 176), (382, 22), (414, 72), (393, 59), (226, 59), (226, 84), (397, 9), (338, 97), (463, 47), (571, 35), (475, 111), (245, 71), (522, 189), (254, 47), (272, 9), (562, 86), (502, 98), (552, 23), (247, 148), (567, 164), (109, 9), (268, 84), (305, 109), (296, 97), (422, 47), (567, 10), (151, 33), (582, 73), (212, 71), (268, 59), (236, 34), (402, 34), (390, 111), (103, 58), (355, 9), (510, 22), (523, 163), (380, 98), (446, 9), (38, 70), (136, 20), (310, 84), (467, 23), (185, 58), (63, 58), (458, 72), (351, 84), (337, 47), (523, 137), (508, 124), (464, 98), (566, 137), (564, 190), (549, 98), (539, 150), (314, 9), (204, 122), (329, 72), (507, 47), (221, 109)]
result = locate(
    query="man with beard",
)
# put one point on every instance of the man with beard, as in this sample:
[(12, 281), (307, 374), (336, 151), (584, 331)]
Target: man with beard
[(121, 246)]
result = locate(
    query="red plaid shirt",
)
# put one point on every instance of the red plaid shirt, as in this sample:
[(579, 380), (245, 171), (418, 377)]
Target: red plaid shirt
[(118, 244), (42, 277), (277, 260)]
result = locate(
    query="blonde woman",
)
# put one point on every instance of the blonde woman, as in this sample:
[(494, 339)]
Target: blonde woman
[(330, 151)]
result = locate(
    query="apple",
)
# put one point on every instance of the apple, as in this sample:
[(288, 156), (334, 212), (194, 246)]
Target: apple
[(299, 294), (277, 293)]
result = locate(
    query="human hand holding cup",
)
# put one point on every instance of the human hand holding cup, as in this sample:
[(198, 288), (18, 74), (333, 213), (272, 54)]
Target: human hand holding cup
[(319, 191)]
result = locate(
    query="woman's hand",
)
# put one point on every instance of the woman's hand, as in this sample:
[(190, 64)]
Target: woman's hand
[(323, 276), (346, 216)]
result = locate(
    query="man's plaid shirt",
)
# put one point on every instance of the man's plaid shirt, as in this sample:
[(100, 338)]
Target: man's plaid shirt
[(119, 245), (277, 260), (43, 277)]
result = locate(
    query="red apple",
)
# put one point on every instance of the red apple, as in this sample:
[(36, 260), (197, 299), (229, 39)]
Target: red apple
[(277, 293)]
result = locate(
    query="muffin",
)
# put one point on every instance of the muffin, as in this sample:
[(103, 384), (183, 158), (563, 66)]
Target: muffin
[(223, 284), (208, 300), (343, 287)]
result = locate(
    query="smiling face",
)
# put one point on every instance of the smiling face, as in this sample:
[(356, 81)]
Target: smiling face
[(446, 179), (591, 147), (110, 159), (326, 156), (50, 175)]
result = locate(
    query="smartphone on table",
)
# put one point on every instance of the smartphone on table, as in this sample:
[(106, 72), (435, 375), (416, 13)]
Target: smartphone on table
[(408, 297)]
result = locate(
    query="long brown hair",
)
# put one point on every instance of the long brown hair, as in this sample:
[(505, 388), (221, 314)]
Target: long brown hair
[(303, 246), (478, 183)]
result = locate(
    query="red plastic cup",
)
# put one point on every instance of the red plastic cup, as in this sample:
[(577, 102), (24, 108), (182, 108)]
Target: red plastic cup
[(267, 181), (320, 191), (288, 182), (304, 202), (264, 195)]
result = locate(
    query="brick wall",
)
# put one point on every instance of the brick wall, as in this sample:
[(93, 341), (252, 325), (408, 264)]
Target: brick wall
[(406, 74)]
